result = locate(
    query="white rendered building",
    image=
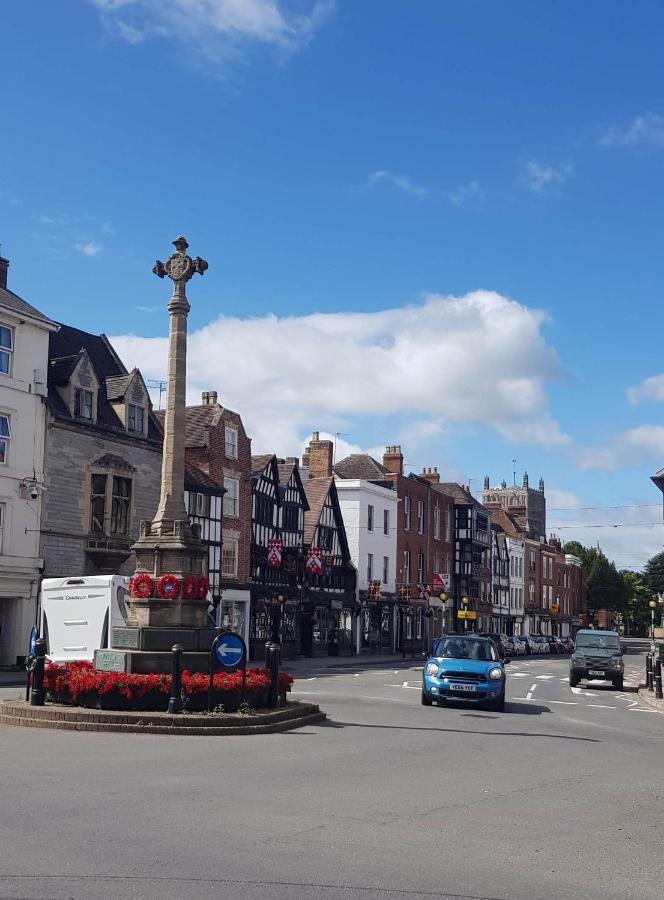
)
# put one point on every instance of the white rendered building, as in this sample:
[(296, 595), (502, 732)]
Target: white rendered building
[(370, 518), (516, 554), (24, 335)]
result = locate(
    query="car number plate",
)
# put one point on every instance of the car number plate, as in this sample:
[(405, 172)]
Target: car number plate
[(596, 671), (464, 687)]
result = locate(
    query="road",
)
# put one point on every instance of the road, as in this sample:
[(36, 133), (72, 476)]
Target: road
[(560, 796)]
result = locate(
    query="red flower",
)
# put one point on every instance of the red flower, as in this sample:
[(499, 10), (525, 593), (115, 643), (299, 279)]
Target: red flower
[(168, 587), (203, 587), (190, 588), (141, 585)]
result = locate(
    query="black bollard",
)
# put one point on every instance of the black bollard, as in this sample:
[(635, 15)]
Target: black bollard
[(272, 654), (658, 680), (175, 701), (648, 671), (38, 695)]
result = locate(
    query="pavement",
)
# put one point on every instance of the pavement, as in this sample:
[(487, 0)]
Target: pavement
[(557, 797)]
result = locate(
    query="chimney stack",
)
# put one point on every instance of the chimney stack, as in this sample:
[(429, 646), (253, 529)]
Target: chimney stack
[(209, 398), (4, 265), (393, 459), (317, 457), (431, 475)]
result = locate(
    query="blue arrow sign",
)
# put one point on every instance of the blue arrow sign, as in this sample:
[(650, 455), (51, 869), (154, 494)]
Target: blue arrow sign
[(34, 634), (229, 650)]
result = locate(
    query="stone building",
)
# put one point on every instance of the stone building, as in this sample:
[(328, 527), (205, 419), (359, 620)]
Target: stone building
[(525, 504), (24, 336), (102, 457)]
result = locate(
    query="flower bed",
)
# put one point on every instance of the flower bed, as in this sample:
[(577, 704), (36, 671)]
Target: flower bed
[(80, 684)]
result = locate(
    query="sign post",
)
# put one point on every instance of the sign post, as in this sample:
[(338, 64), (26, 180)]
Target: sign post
[(229, 651)]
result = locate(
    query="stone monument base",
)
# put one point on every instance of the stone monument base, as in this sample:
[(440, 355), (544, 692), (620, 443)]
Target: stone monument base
[(149, 650)]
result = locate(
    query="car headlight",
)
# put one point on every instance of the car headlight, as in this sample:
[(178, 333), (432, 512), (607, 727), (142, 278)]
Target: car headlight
[(431, 668), (495, 674)]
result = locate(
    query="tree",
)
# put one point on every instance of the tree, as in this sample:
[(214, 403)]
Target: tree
[(653, 574), (605, 588), (637, 612)]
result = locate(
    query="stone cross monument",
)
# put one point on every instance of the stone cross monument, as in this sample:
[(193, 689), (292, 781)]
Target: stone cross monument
[(168, 602), (179, 268)]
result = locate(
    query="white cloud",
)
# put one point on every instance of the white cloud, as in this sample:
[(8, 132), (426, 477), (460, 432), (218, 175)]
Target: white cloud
[(635, 446), (646, 130), (480, 358), (464, 194), (91, 248), (215, 28), (560, 501), (540, 176), (51, 220), (150, 309), (649, 389), (402, 182)]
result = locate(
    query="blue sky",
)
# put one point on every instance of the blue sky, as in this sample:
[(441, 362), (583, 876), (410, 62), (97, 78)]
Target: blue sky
[(337, 164)]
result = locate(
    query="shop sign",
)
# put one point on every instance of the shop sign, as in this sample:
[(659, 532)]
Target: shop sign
[(442, 581), (467, 614)]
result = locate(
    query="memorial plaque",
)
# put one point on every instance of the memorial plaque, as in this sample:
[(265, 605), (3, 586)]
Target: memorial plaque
[(110, 661), (126, 638)]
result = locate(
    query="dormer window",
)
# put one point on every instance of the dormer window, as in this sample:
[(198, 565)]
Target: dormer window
[(83, 404), (135, 418)]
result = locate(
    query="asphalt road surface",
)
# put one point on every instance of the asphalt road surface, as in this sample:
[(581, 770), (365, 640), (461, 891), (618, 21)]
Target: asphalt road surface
[(561, 796)]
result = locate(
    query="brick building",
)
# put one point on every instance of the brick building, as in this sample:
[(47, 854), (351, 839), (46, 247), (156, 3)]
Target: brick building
[(218, 446)]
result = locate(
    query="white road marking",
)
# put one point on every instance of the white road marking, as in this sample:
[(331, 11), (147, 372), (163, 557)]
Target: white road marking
[(405, 684), (310, 679), (641, 709), (529, 695), (517, 674), (544, 677), (564, 702), (601, 706)]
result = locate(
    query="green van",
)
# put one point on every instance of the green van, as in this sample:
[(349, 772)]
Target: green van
[(597, 654)]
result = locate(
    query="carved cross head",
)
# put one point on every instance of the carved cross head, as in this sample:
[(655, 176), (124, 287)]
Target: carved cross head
[(180, 267)]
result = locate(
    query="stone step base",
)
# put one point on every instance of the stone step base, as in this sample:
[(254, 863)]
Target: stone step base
[(72, 718)]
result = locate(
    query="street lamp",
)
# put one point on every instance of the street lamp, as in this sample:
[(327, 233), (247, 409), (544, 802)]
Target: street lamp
[(442, 596), (653, 607), (465, 601)]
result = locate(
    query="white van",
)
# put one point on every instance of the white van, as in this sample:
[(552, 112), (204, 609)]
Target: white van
[(77, 615)]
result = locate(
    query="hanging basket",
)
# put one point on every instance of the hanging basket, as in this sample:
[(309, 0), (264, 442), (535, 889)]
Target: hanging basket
[(141, 586), (190, 587), (203, 587), (168, 587)]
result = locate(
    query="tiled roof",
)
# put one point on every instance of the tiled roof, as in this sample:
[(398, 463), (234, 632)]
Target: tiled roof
[(456, 491), (59, 370), (258, 463), (200, 418), (506, 522), (195, 477), (116, 386), (360, 465), (10, 300), (64, 351), (316, 490)]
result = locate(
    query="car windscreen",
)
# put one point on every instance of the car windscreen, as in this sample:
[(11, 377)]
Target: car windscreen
[(461, 648), (597, 642)]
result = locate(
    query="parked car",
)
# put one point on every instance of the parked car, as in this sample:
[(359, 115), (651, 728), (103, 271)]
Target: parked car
[(553, 644), (501, 641), (538, 644), (526, 641), (597, 655), (464, 667), (519, 645), (569, 645)]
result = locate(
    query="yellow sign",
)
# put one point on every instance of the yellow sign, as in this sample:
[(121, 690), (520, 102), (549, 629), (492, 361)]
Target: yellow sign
[(554, 609), (466, 614)]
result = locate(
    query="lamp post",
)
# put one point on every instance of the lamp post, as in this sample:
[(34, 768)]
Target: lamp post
[(465, 601), (276, 619), (653, 606), (442, 596)]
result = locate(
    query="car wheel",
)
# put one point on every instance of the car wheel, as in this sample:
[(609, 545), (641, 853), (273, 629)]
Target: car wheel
[(573, 680), (618, 683), (499, 704), (427, 700)]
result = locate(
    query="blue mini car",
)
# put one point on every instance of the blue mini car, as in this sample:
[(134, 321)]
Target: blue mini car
[(464, 667)]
